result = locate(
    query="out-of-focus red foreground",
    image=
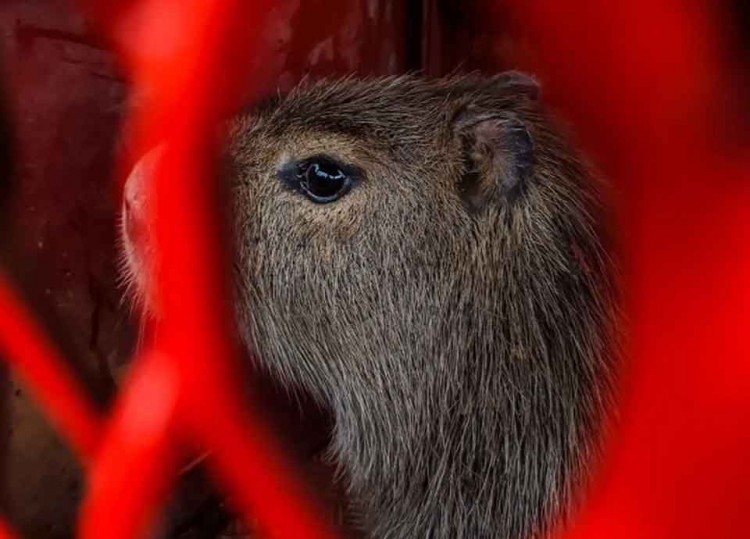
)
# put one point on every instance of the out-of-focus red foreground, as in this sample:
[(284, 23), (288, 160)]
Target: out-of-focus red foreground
[(650, 87), (645, 83)]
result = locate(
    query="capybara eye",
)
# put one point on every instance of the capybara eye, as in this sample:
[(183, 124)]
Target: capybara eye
[(320, 178)]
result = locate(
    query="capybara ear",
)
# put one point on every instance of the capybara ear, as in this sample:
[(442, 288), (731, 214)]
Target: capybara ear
[(498, 152)]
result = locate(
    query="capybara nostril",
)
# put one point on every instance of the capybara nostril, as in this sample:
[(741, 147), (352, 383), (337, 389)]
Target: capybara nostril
[(134, 221)]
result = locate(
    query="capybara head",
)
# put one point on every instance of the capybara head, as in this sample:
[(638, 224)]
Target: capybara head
[(426, 258)]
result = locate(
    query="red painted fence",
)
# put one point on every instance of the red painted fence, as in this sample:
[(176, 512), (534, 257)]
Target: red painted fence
[(647, 83)]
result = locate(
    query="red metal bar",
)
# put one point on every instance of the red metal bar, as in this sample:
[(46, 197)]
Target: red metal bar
[(186, 64), (646, 82), (38, 364), (138, 463)]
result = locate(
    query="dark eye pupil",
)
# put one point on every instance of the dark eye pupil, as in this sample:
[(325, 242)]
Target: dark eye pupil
[(322, 180)]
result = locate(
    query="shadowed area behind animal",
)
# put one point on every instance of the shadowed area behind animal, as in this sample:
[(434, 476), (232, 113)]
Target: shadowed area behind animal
[(426, 258)]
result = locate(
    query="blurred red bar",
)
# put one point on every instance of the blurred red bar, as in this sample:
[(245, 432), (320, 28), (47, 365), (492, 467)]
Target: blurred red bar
[(138, 463), (646, 82), (6, 532), (36, 361), (181, 52)]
